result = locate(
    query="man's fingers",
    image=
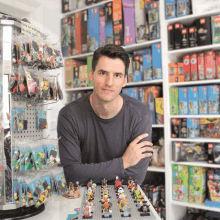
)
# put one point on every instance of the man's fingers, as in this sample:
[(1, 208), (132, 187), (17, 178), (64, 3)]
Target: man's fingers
[(140, 137), (147, 155), (144, 149), (145, 143)]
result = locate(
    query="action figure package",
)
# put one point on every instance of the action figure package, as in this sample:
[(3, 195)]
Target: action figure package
[(174, 99), (214, 153), (140, 21), (141, 96), (193, 66), (217, 57), (32, 82), (213, 99), (186, 67), (44, 86), (185, 38), (53, 88), (102, 30), (15, 191), (183, 8), (183, 128), (183, 101), (173, 72), (83, 76), (14, 53), (215, 29), (58, 60), (137, 67), (170, 9), (53, 153), (23, 51), (181, 76), (18, 118), (41, 119), (210, 68), (39, 156), (78, 42), (29, 159), (36, 50), (209, 127), (108, 23), (201, 66), (147, 65), (180, 182), (89, 68), (153, 195), (84, 30), (192, 37), (22, 88), (193, 128), (159, 114), (197, 184), (157, 61), (129, 22), (171, 39), (178, 35), (73, 34), (193, 99), (203, 100), (175, 127), (15, 164)]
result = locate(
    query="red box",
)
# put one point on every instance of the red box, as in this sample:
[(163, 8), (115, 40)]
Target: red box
[(217, 56), (186, 67), (78, 42), (181, 76), (210, 65), (201, 66), (193, 67)]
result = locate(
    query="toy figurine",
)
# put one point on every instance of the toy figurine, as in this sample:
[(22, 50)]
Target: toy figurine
[(73, 191), (104, 183), (118, 183), (144, 209), (106, 213), (87, 210), (126, 212)]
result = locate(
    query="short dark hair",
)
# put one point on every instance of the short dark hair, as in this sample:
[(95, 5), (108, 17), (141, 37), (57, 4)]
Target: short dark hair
[(111, 51)]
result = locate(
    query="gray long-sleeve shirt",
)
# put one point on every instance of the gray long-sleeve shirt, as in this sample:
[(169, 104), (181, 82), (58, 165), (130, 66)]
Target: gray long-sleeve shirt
[(91, 147)]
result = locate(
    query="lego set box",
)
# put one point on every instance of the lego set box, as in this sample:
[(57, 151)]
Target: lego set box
[(84, 33), (102, 31), (73, 34), (201, 66), (173, 72), (68, 74), (78, 41), (185, 38), (83, 76), (157, 61), (64, 36), (209, 127), (214, 153), (108, 24), (186, 67), (193, 129), (213, 99), (159, 111), (170, 9), (130, 69), (193, 100), (171, 37), (183, 101), (193, 66), (137, 67), (89, 67), (203, 100), (174, 101), (215, 29)]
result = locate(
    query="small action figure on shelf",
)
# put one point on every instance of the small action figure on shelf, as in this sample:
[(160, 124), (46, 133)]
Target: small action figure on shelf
[(144, 209), (87, 210), (73, 191), (104, 183), (118, 183)]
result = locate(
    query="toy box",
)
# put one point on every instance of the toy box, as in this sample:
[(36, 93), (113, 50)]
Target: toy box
[(214, 153), (76, 76), (175, 127), (197, 184), (102, 31), (178, 35), (141, 96), (78, 42), (201, 66), (213, 100), (185, 38), (159, 111), (65, 6), (170, 9), (83, 76), (209, 127), (73, 5), (81, 3), (157, 61), (68, 74), (147, 65), (174, 101), (192, 37), (183, 101), (183, 8), (210, 65), (193, 128), (173, 72), (193, 99), (204, 35), (171, 37), (154, 21), (203, 100), (108, 24), (181, 75), (73, 34), (215, 29), (183, 128), (180, 182), (89, 67), (93, 28), (129, 21), (140, 21), (133, 92), (130, 70), (118, 29), (217, 56), (64, 36), (186, 67), (147, 2), (193, 67), (69, 37), (84, 30), (137, 67)]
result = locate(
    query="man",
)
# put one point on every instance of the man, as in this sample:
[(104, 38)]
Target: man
[(105, 134)]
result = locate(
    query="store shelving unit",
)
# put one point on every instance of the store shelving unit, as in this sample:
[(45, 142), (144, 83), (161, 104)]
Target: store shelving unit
[(156, 169), (198, 140), (195, 83)]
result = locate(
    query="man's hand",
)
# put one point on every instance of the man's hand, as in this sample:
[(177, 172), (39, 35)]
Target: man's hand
[(134, 152)]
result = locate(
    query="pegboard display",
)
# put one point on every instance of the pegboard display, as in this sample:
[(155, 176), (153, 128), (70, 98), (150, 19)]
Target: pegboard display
[(116, 214)]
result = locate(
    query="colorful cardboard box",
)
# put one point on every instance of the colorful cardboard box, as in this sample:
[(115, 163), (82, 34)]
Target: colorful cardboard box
[(130, 70), (173, 72), (89, 67), (193, 67), (157, 61), (210, 65), (181, 75), (129, 22), (81, 3), (213, 100), (102, 31), (215, 29), (78, 41), (68, 74), (141, 96), (193, 129), (147, 65), (137, 67), (83, 76), (64, 36), (183, 101), (217, 57), (186, 67), (170, 9), (69, 37), (174, 99), (108, 24), (178, 35), (183, 8), (159, 111), (183, 128), (185, 38), (132, 92), (201, 66), (175, 127), (84, 31), (171, 37), (180, 182), (192, 37), (209, 127), (193, 99), (197, 184), (73, 34), (203, 100)]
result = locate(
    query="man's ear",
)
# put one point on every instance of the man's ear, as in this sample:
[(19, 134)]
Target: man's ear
[(91, 75), (125, 81)]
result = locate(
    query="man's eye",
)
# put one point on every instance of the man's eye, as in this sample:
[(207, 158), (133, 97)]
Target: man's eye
[(118, 75), (102, 73)]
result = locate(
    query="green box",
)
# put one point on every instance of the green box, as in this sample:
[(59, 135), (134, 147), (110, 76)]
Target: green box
[(197, 184), (180, 183), (174, 101), (89, 67), (215, 29)]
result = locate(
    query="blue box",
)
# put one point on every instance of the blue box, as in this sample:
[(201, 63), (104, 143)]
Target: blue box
[(157, 61), (203, 100), (141, 94), (137, 67), (170, 9), (191, 127), (193, 99), (108, 32), (93, 28), (183, 101), (182, 8), (213, 99), (132, 92)]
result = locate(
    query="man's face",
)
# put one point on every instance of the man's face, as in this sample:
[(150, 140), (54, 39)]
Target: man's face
[(109, 78)]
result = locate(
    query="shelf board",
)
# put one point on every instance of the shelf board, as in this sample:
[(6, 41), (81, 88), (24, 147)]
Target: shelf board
[(128, 48), (156, 169), (194, 116), (79, 89), (84, 8), (157, 126), (187, 204), (198, 82), (199, 164), (197, 140)]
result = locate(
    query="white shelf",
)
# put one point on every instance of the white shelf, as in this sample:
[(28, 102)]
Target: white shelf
[(198, 140), (198, 82), (200, 164), (156, 169), (195, 116), (128, 48), (187, 204), (157, 126), (79, 89), (84, 8)]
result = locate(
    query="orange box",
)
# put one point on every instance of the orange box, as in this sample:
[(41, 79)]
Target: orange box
[(68, 74), (78, 42), (173, 72), (181, 76)]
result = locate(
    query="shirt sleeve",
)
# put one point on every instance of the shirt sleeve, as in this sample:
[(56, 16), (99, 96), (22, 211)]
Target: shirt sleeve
[(70, 156), (139, 171)]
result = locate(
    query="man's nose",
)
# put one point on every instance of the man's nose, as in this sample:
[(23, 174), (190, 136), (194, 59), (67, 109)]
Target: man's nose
[(109, 80)]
